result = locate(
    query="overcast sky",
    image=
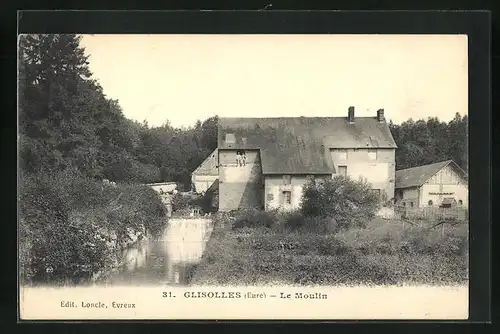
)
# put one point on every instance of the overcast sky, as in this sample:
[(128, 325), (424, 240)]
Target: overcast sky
[(183, 78)]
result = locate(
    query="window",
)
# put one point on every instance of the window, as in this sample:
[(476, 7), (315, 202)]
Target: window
[(342, 154), (343, 170), (372, 154), (404, 203), (460, 202), (287, 197), (270, 197), (430, 203), (411, 204), (287, 179)]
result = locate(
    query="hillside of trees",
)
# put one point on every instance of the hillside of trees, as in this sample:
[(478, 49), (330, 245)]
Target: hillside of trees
[(71, 138), (66, 121), (424, 142)]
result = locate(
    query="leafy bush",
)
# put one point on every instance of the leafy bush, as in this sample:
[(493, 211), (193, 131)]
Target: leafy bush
[(296, 221), (350, 203), (381, 253), (254, 218), (66, 222), (180, 202)]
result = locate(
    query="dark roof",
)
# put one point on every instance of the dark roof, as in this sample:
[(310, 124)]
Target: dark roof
[(214, 187), (416, 176), (300, 145)]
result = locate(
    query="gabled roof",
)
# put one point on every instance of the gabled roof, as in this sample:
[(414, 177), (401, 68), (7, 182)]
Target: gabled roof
[(416, 176), (208, 166), (300, 145), (214, 187)]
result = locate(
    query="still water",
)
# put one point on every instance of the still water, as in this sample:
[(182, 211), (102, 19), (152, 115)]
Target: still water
[(166, 260)]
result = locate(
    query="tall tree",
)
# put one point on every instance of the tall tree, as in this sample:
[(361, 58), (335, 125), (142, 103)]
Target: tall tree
[(423, 142)]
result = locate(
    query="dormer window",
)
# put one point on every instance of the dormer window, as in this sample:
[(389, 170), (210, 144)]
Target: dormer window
[(230, 138)]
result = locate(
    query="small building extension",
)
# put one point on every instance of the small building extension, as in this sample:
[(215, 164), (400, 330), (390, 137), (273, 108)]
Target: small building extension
[(441, 184)]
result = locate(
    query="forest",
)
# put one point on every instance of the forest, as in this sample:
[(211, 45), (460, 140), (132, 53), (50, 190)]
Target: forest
[(66, 121), (427, 141)]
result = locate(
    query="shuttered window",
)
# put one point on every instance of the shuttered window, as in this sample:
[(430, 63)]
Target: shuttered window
[(287, 197)]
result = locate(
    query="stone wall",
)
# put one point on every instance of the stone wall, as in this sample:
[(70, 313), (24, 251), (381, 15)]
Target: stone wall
[(240, 186)]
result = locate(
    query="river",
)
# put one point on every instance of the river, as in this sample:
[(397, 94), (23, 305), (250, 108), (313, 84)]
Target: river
[(167, 259)]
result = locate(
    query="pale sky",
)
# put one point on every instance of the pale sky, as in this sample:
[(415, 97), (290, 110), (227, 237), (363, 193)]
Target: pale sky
[(183, 78)]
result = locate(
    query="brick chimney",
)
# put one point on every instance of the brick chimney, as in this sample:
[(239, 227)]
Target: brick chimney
[(380, 115), (350, 115)]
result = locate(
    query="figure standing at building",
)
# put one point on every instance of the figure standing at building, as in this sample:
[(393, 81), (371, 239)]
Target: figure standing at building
[(238, 158)]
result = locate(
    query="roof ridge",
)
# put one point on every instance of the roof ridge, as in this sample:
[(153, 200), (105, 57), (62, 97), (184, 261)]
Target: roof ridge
[(426, 165)]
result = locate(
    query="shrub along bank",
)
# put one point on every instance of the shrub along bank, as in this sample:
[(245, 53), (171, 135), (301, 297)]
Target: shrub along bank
[(72, 227), (319, 252)]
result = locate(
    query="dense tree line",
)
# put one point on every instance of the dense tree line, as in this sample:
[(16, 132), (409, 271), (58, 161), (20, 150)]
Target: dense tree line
[(71, 137), (423, 142), (66, 122)]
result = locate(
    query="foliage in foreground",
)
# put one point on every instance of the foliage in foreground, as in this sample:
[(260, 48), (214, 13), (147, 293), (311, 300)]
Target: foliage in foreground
[(346, 201), (381, 253), (71, 227)]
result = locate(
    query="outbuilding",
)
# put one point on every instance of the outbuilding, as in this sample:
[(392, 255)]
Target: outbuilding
[(441, 184)]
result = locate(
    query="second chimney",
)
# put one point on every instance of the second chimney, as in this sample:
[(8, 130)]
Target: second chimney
[(350, 115), (380, 115)]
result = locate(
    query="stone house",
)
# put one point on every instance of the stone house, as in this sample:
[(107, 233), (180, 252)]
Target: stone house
[(264, 162), (441, 184)]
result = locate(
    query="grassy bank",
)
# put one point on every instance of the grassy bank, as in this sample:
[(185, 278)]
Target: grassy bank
[(72, 227), (268, 249)]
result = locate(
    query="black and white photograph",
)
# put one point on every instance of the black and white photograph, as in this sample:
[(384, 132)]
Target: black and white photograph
[(193, 161)]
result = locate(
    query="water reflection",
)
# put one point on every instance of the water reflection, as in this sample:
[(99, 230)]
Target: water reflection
[(167, 259)]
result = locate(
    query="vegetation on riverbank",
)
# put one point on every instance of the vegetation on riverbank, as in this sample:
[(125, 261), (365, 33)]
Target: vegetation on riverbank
[(72, 137), (259, 248), (82, 165), (72, 227), (382, 253)]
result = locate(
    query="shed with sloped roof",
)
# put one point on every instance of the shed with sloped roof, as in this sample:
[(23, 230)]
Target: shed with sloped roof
[(433, 184)]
